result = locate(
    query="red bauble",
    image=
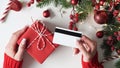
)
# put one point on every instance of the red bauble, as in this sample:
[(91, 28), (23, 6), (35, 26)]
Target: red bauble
[(46, 13), (74, 2), (101, 17), (100, 34), (16, 5)]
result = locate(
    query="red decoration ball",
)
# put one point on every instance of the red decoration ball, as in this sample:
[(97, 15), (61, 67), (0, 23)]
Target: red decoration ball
[(16, 5), (46, 13), (74, 2), (100, 34), (101, 17)]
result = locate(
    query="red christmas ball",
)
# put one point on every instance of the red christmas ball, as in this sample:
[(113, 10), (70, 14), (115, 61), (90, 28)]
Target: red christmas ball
[(74, 2), (101, 17), (46, 13), (100, 34), (16, 5)]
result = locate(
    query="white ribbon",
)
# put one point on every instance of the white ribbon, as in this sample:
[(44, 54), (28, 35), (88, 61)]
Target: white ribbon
[(41, 36)]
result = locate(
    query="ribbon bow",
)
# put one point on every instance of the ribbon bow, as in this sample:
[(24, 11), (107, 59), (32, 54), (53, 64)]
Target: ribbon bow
[(41, 36)]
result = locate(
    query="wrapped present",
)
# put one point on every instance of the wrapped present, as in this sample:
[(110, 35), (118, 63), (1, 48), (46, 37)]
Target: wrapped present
[(39, 41)]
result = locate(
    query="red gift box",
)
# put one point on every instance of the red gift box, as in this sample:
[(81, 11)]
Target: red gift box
[(39, 41)]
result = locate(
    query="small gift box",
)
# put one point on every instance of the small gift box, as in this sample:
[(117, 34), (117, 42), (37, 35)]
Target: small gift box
[(39, 41)]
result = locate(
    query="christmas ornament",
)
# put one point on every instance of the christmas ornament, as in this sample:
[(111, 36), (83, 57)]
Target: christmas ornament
[(46, 13), (100, 34), (30, 3), (12, 5), (16, 5), (74, 2), (101, 17)]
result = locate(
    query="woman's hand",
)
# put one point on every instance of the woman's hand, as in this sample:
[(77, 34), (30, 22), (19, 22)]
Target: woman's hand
[(12, 49), (87, 47)]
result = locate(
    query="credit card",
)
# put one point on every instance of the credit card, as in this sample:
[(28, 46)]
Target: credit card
[(66, 37)]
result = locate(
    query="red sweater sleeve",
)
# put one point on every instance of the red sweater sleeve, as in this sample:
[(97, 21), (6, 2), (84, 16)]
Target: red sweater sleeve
[(11, 63), (94, 63)]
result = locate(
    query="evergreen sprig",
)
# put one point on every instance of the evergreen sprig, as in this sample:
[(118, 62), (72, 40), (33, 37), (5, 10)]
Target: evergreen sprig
[(84, 6)]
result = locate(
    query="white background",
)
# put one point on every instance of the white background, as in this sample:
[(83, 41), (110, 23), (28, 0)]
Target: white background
[(63, 56)]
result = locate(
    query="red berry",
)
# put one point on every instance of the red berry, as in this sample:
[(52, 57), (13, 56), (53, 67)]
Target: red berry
[(116, 12), (76, 19), (97, 6), (70, 27), (112, 48), (118, 51), (71, 23), (29, 4), (100, 34), (102, 2), (74, 2), (46, 13), (118, 38), (75, 28), (118, 18), (31, 1), (119, 33), (115, 33), (110, 38), (76, 15), (71, 16), (110, 42)]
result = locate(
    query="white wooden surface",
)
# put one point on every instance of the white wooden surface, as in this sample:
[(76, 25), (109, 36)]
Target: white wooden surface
[(63, 56)]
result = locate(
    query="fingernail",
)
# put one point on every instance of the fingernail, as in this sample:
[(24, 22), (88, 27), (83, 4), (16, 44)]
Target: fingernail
[(23, 41)]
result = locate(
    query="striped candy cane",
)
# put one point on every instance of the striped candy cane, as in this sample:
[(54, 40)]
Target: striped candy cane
[(110, 58), (7, 9)]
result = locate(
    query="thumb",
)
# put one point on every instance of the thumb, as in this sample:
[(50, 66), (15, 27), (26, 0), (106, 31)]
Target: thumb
[(21, 49)]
